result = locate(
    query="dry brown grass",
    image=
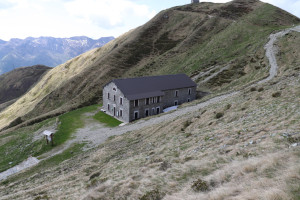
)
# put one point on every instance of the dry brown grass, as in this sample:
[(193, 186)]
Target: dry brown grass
[(243, 155)]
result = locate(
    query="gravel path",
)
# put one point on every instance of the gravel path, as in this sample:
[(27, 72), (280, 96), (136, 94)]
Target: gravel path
[(215, 74), (271, 51), (31, 161), (94, 133)]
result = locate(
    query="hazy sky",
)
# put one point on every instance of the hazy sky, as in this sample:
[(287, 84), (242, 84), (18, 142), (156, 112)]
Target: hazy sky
[(92, 18)]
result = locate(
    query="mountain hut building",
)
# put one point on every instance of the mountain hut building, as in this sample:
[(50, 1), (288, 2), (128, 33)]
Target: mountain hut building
[(134, 98)]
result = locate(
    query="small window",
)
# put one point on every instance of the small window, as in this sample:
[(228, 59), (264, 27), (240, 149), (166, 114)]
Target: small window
[(108, 95), (147, 101), (121, 101), (114, 89), (121, 113), (151, 100), (158, 99), (136, 103), (176, 93), (114, 97), (108, 107), (190, 91), (175, 103)]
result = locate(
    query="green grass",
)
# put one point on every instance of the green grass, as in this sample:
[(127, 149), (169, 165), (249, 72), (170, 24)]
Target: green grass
[(74, 150), (19, 145), (69, 123), (107, 119)]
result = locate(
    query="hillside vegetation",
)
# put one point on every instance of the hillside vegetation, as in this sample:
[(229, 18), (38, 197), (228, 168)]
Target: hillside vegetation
[(17, 82), (191, 39), (243, 147)]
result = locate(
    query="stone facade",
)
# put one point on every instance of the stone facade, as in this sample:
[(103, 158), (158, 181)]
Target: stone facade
[(116, 104)]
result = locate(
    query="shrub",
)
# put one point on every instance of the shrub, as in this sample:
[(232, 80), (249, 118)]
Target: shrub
[(276, 94), (164, 166), (228, 106), (219, 115), (186, 124), (252, 89), (95, 175), (200, 186), (261, 89), (152, 195)]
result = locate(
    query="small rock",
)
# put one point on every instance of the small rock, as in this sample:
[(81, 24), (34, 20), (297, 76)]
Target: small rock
[(294, 145), (10, 163), (252, 142), (285, 135)]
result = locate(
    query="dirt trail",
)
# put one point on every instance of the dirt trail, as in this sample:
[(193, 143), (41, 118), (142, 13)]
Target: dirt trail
[(271, 51), (94, 133)]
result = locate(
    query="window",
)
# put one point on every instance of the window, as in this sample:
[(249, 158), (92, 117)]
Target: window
[(114, 97), (121, 113), (147, 101), (121, 101), (151, 100), (108, 107), (136, 114), (114, 89), (157, 110), (146, 112), (188, 100), (176, 93), (175, 103), (158, 99), (136, 103), (190, 91), (108, 95)]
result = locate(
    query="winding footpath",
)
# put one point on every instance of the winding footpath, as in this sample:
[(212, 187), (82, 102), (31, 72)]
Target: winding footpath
[(95, 134)]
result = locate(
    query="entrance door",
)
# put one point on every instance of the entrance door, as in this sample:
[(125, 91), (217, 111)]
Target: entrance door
[(136, 115), (147, 112), (175, 103), (157, 110)]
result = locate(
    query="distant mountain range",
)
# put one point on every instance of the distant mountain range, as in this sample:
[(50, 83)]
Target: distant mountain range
[(47, 51)]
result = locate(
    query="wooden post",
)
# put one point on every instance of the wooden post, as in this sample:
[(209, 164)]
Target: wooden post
[(51, 139)]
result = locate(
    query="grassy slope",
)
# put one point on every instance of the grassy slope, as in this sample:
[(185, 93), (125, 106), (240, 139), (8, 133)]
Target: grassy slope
[(246, 154), (186, 39), (16, 83), (18, 145)]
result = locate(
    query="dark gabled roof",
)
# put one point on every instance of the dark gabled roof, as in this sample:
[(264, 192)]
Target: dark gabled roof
[(144, 87)]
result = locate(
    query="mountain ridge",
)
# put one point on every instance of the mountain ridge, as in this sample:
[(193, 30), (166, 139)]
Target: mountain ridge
[(48, 51), (167, 44)]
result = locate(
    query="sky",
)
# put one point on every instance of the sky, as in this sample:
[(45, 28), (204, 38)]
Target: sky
[(92, 18)]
